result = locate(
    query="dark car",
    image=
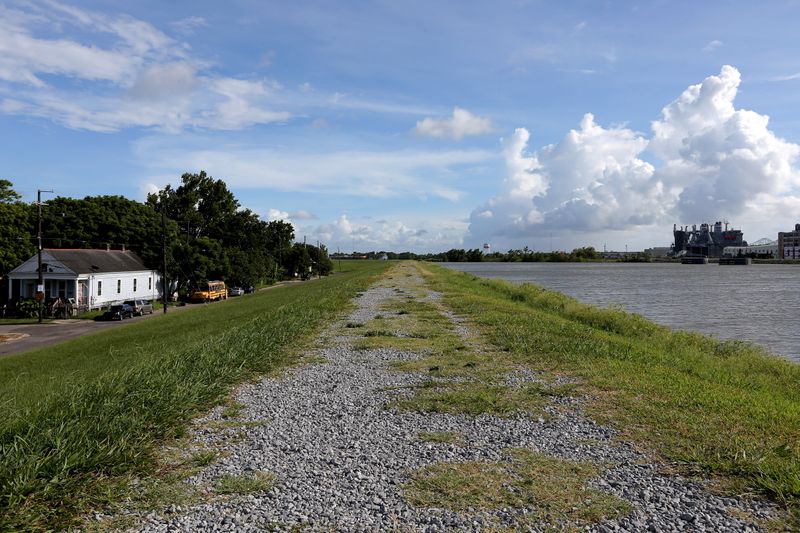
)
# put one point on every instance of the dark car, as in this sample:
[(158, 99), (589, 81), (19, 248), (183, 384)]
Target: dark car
[(140, 307), (118, 312)]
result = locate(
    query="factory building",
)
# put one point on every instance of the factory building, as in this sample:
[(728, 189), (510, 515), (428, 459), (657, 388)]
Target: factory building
[(789, 243), (705, 241), (769, 250)]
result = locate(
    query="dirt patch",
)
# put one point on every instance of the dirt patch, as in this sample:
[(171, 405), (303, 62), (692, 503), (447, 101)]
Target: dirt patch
[(11, 337)]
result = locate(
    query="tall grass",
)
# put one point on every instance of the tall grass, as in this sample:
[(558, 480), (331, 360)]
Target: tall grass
[(725, 407), (77, 418)]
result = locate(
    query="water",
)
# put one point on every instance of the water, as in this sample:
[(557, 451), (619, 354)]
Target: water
[(757, 303)]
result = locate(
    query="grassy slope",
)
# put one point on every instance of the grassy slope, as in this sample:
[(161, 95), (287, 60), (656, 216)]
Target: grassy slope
[(725, 407), (76, 417)]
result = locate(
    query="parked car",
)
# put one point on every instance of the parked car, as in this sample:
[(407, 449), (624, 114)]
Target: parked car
[(118, 312), (249, 289), (140, 307), (235, 291)]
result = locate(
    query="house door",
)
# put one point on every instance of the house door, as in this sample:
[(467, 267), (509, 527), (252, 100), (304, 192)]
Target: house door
[(83, 293)]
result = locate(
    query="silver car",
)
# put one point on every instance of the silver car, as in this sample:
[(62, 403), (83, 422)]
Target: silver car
[(140, 307)]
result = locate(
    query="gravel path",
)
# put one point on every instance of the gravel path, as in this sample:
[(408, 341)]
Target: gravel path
[(340, 457)]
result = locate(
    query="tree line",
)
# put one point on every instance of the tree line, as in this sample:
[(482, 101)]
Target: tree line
[(208, 234), (476, 255)]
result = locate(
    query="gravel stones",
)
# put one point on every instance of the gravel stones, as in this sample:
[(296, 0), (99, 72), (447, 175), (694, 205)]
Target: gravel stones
[(340, 456)]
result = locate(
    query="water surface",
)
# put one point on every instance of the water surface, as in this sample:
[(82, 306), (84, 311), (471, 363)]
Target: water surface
[(758, 303)]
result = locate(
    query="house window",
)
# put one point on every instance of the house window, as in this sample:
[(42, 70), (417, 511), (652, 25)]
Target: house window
[(149, 284), (99, 288), (134, 284), (119, 286)]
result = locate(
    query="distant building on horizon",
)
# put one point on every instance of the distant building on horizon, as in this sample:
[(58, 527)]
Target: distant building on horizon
[(789, 243), (658, 251)]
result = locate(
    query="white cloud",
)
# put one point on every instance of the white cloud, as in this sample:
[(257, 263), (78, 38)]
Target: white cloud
[(787, 77), (712, 45), (277, 214), (718, 158), (460, 125), (188, 25), (242, 105), (347, 101), (137, 77), (716, 162), (422, 235), (149, 188), (409, 173), (303, 215)]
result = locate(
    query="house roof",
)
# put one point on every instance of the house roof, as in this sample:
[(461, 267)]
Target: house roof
[(91, 261)]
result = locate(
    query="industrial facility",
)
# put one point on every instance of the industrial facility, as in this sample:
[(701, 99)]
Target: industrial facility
[(707, 241)]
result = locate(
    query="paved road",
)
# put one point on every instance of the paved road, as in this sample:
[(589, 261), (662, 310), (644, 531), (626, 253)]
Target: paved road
[(40, 335)]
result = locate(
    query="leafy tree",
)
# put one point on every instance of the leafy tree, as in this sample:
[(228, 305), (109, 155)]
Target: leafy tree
[(100, 221), (455, 255), (587, 252), (298, 262), (474, 256), (280, 236), (16, 222)]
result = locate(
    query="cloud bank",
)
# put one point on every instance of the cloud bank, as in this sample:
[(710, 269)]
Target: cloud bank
[(714, 162), (396, 235)]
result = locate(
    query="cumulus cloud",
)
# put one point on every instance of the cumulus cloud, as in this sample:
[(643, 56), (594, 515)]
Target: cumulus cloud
[(458, 126), (277, 214), (51, 66), (719, 158), (714, 162)]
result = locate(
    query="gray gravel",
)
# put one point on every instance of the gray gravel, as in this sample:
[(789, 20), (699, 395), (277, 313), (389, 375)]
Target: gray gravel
[(340, 456)]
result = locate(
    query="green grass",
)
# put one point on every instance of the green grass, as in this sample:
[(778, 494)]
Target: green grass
[(22, 321), (244, 484), (80, 418), (470, 376), (725, 407), (554, 490)]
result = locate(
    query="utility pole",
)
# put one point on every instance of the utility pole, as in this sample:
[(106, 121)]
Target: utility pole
[(319, 264), (40, 284), (164, 250)]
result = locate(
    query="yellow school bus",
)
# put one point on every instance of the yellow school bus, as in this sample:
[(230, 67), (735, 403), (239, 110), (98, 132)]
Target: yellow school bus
[(210, 291)]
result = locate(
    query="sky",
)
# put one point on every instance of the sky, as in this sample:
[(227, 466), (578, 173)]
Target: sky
[(418, 125)]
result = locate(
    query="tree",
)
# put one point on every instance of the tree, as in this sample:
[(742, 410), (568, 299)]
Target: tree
[(455, 255), (100, 221), (16, 222), (210, 228), (280, 236), (474, 256), (298, 262)]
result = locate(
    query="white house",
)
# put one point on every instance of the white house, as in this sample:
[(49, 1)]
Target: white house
[(93, 278)]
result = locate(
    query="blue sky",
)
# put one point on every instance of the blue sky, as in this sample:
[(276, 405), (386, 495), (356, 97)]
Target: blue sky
[(418, 125)]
